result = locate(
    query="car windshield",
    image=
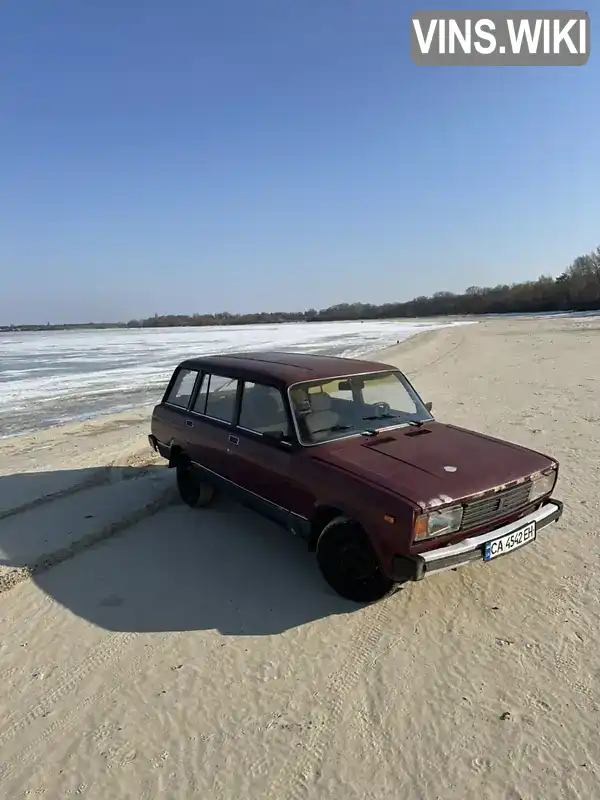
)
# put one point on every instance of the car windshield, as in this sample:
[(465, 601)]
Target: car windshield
[(334, 408)]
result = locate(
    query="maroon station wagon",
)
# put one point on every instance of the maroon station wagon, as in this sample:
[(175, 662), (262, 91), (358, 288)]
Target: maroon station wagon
[(345, 454)]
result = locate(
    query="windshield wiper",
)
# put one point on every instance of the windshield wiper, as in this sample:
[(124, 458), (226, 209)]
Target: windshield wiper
[(414, 422), (334, 429), (383, 416)]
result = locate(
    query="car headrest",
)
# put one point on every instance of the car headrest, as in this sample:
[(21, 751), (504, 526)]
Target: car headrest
[(320, 402)]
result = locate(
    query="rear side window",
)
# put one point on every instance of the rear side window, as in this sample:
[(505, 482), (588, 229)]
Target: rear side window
[(182, 389), (217, 397)]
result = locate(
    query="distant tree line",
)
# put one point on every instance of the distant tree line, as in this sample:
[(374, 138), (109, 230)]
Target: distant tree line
[(577, 289)]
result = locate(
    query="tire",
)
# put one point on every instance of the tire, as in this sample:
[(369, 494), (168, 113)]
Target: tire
[(194, 492), (349, 564)]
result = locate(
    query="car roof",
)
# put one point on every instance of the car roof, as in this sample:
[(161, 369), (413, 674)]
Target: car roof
[(285, 368)]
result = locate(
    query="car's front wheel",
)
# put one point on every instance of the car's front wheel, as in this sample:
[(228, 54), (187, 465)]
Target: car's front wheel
[(349, 564), (194, 492)]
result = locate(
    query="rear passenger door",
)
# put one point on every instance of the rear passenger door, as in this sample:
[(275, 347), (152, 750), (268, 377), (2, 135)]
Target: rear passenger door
[(171, 421), (213, 412), (262, 464)]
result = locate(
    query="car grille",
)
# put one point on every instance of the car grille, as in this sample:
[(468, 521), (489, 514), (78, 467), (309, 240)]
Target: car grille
[(490, 509)]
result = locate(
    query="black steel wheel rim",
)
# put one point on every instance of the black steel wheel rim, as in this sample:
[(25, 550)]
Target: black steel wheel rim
[(356, 564)]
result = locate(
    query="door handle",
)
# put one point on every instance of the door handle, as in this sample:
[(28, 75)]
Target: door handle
[(189, 423), (234, 440)]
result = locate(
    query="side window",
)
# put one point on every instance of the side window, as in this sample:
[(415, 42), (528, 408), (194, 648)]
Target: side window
[(263, 409), (220, 394), (182, 388)]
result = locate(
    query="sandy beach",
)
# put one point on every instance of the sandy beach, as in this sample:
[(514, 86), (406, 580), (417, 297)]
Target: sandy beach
[(151, 651)]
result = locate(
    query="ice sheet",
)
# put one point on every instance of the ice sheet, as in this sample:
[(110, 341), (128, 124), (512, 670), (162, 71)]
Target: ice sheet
[(48, 378)]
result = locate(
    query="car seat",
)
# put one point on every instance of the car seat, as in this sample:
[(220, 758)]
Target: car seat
[(262, 410), (321, 417)]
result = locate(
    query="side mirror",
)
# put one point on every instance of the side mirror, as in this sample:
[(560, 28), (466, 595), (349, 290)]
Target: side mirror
[(278, 436), (429, 406)]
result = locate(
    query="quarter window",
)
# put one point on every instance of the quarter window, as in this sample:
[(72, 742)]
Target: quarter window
[(263, 409), (182, 388)]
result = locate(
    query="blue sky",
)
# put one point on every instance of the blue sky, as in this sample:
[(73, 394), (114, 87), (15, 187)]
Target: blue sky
[(186, 155)]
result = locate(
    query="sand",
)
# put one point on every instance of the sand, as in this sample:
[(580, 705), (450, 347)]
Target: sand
[(198, 654)]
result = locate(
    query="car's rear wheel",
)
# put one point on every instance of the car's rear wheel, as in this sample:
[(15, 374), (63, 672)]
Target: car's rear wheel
[(349, 564), (194, 492)]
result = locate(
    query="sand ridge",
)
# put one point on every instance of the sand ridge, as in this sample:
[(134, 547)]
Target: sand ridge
[(199, 653)]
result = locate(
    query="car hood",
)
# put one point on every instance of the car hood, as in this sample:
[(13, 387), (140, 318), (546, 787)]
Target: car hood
[(435, 464)]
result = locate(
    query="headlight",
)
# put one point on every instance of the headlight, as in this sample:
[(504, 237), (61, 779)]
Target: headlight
[(438, 523), (541, 486)]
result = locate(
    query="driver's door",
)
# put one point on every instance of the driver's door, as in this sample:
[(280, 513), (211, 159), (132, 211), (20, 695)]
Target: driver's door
[(263, 457)]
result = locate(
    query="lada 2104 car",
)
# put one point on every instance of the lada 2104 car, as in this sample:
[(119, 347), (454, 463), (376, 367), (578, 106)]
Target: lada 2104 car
[(345, 453)]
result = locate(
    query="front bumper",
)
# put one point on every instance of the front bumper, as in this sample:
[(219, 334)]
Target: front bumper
[(471, 549)]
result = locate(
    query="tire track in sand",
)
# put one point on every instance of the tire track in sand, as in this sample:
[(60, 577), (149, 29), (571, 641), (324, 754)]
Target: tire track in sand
[(294, 780), (17, 575), (451, 350), (111, 647), (102, 655), (101, 476)]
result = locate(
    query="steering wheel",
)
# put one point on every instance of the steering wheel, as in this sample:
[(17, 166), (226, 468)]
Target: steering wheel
[(381, 409)]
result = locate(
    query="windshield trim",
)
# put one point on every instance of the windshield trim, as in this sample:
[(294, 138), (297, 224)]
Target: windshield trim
[(348, 376)]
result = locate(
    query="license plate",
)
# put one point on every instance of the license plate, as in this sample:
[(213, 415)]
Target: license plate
[(510, 542)]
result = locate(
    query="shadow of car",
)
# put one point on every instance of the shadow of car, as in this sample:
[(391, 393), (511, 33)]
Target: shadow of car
[(173, 569)]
